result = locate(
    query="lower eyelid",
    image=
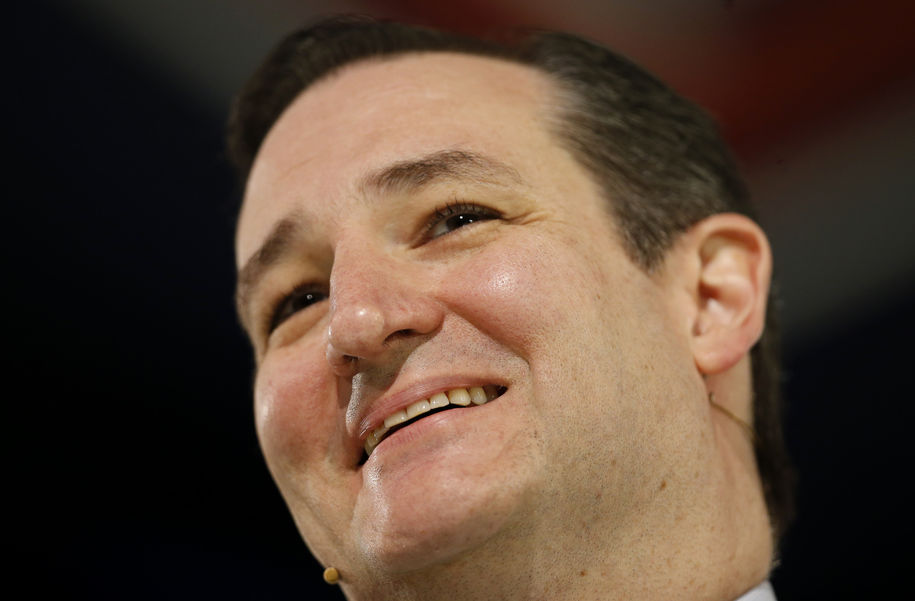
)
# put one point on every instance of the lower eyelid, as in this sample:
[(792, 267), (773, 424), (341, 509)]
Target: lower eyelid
[(294, 327)]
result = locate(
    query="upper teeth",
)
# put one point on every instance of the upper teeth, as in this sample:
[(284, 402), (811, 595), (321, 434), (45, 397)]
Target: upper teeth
[(477, 395)]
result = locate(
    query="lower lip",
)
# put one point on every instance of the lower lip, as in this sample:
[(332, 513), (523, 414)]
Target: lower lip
[(422, 429)]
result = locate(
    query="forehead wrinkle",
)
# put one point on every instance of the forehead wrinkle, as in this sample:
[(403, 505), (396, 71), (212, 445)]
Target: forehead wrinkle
[(412, 174)]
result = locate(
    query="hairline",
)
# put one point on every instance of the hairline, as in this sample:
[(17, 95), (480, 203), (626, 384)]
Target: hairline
[(555, 110)]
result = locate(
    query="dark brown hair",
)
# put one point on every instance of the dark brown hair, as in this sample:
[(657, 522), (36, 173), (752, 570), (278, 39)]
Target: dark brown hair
[(658, 157)]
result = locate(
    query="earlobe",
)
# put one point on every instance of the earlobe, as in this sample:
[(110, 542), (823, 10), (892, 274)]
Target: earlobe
[(731, 288)]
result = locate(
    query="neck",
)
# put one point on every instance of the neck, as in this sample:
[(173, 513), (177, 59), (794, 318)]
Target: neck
[(712, 559)]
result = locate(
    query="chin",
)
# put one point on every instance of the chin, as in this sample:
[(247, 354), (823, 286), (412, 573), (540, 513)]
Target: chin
[(437, 513), (412, 535)]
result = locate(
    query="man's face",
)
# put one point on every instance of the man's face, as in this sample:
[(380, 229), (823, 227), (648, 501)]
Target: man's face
[(420, 231)]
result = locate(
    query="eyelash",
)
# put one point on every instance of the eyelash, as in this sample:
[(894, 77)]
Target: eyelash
[(285, 308), (457, 209)]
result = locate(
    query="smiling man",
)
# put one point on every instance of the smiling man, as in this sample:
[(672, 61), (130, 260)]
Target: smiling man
[(507, 307)]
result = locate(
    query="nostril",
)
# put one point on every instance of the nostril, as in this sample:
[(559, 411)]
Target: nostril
[(399, 334), (341, 363)]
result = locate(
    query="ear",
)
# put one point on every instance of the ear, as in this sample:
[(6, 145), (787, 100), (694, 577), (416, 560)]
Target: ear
[(730, 289)]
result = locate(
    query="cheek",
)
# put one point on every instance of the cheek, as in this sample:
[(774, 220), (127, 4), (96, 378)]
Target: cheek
[(293, 407), (501, 296), (521, 294)]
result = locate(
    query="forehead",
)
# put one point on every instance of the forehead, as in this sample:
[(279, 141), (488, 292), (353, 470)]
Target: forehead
[(377, 112)]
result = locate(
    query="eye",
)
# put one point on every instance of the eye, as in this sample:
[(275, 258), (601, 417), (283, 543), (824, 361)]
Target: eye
[(455, 216), (300, 298)]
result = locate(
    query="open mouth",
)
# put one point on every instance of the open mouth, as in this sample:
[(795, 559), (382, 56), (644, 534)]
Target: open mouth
[(442, 401)]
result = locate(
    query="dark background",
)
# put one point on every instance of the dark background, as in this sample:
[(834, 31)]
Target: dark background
[(136, 469)]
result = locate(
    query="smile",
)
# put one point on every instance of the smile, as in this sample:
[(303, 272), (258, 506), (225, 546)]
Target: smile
[(448, 399)]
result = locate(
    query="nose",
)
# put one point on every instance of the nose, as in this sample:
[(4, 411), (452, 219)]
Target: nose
[(376, 305)]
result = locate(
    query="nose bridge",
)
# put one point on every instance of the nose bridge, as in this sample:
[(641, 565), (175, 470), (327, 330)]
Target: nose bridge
[(374, 297), (355, 278)]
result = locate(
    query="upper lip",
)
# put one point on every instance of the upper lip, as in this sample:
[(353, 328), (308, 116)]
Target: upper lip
[(372, 415)]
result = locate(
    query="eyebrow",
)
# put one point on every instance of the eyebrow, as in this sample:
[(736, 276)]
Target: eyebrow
[(412, 174), (278, 243), (403, 176)]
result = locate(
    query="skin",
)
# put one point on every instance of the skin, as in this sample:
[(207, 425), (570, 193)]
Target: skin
[(602, 472)]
